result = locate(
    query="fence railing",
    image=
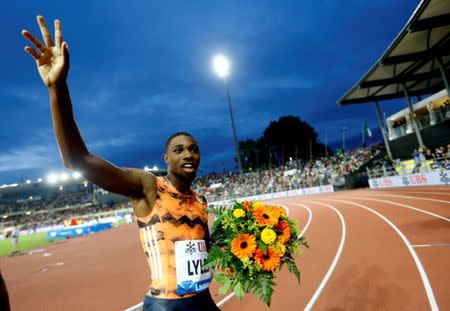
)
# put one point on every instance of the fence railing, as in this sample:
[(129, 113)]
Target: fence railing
[(410, 167)]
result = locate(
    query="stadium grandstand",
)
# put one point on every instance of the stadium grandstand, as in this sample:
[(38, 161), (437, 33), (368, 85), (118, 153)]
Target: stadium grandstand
[(415, 65)]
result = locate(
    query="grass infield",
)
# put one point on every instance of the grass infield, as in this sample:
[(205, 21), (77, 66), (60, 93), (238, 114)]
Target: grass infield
[(25, 242)]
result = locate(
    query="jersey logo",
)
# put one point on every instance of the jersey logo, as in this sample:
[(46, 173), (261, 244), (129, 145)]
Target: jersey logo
[(190, 248)]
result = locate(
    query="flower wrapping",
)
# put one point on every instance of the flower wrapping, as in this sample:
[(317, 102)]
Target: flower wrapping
[(249, 242)]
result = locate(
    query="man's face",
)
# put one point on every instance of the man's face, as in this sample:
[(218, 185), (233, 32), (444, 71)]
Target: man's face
[(183, 157)]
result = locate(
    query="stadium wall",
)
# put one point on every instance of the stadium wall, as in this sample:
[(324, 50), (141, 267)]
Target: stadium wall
[(421, 179)]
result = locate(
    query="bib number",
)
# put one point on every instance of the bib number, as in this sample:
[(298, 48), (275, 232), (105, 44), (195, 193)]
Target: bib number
[(190, 258)]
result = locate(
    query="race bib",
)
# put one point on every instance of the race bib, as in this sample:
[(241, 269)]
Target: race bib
[(190, 258)]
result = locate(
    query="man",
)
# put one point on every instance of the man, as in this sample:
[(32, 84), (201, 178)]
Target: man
[(172, 218)]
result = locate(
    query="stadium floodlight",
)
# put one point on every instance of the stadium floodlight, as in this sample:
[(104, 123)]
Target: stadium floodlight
[(28, 181), (146, 168), (61, 187), (30, 197), (5, 216), (28, 213), (39, 179), (221, 66), (63, 176), (155, 168), (52, 178), (76, 175)]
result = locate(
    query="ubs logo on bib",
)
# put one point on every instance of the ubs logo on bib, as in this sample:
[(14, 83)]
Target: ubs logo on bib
[(190, 248)]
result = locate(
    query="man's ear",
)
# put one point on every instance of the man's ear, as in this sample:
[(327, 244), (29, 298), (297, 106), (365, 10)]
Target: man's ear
[(166, 159)]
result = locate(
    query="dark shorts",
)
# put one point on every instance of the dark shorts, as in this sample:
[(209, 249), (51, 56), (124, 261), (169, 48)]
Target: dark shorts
[(200, 302)]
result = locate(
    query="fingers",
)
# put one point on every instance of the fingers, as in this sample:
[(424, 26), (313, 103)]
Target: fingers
[(44, 30), (35, 41), (58, 33), (32, 52)]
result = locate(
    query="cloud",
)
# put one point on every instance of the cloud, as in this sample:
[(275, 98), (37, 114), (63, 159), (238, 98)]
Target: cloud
[(29, 157), (289, 82), (111, 142)]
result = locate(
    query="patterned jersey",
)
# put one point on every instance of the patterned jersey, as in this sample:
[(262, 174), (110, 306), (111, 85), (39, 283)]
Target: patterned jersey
[(175, 217)]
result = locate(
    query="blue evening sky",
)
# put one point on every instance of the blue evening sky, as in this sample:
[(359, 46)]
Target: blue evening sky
[(141, 70)]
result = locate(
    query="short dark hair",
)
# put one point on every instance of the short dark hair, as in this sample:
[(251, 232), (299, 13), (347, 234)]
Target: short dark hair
[(176, 135)]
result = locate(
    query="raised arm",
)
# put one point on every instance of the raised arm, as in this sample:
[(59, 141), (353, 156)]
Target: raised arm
[(53, 65)]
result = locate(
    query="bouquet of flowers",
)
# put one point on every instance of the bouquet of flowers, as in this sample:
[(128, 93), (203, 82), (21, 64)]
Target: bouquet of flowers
[(250, 241)]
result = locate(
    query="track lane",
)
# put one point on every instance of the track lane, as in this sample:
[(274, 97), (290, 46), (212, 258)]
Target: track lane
[(375, 271)]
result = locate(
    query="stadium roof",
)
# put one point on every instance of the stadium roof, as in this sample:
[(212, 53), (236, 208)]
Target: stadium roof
[(412, 58)]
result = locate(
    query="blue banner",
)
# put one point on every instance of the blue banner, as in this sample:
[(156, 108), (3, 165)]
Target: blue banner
[(74, 231)]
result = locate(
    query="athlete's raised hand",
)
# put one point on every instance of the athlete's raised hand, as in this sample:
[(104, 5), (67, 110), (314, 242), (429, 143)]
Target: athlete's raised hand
[(52, 59)]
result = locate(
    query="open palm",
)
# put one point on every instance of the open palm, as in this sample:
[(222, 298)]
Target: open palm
[(52, 59)]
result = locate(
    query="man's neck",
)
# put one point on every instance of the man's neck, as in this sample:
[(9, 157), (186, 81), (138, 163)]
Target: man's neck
[(183, 186)]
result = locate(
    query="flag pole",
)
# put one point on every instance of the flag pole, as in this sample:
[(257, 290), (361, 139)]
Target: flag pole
[(363, 134)]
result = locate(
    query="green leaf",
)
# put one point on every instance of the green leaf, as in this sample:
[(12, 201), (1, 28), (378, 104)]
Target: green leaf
[(262, 246), (225, 287), (239, 291), (293, 269)]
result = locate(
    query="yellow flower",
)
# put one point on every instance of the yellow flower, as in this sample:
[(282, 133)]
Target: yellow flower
[(280, 248), (238, 213), (258, 204), (268, 236)]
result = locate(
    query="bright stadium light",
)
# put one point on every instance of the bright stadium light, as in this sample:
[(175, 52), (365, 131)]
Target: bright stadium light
[(61, 188), (52, 178), (39, 180), (76, 175), (146, 168), (30, 197), (28, 181), (5, 216), (221, 66), (63, 176), (28, 213), (155, 168)]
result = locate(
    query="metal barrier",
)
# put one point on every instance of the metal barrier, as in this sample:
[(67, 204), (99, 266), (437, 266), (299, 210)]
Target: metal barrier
[(409, 167)]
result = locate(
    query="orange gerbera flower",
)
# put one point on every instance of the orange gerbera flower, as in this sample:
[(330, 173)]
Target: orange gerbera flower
[(266, 215), (243, 245), (281, 210), (247, 205), (285, 230), (268, 262)]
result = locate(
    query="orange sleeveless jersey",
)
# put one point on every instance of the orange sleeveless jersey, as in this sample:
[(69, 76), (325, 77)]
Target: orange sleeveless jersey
[(175, 217)]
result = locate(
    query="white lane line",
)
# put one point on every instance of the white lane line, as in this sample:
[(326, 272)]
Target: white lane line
[(309, 219), (225, 299), (303, 231), (135, 307), (398, 204), (430, 245), (407, 197), (425, 192), (335, 260), (423, 275)]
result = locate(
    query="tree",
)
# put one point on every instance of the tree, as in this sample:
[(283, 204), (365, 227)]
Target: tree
[(289, 137)]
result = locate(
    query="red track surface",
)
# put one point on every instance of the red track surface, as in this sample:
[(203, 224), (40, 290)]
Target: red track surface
[(375, 269)]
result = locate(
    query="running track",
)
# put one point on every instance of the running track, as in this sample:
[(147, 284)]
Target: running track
[(369, 250)]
